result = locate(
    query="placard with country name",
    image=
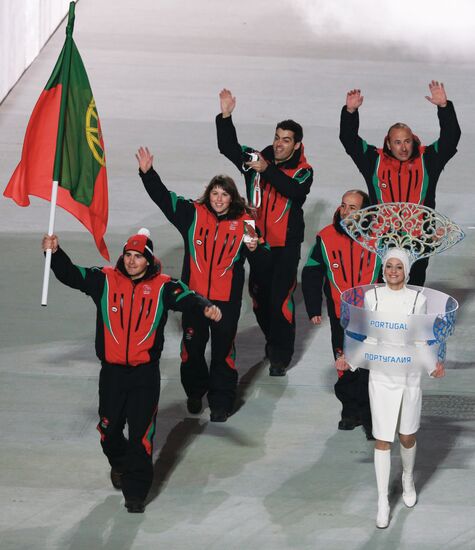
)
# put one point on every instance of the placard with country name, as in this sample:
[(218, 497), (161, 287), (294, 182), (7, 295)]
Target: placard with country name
[(393, 341)]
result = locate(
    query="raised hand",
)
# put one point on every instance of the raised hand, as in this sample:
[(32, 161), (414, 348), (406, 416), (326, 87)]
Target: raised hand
[(438, 96), (227, 101), (144, 158), (354, 100)]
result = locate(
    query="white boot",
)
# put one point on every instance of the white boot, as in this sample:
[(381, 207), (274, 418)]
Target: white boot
[(382, 467), (408, 457)]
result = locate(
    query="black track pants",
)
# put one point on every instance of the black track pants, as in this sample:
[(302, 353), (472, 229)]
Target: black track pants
[(351, 388), (273, 302), (129, 395), (220, 381)]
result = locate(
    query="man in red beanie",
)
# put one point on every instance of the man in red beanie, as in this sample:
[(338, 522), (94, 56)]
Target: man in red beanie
[(132, 300)]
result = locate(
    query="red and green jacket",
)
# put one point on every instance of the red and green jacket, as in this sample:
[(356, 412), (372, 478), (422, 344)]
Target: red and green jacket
[(213, 263), (284, 187), (413, 180), (131, 315), (335, 263)]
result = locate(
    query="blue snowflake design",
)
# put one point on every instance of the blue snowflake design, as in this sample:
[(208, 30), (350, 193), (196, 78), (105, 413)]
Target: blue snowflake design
[(344, 315), (442, 352), (444, 326), (354, 296)]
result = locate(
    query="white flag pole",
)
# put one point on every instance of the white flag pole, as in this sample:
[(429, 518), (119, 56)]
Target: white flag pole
[(52, 212), (59, 145)]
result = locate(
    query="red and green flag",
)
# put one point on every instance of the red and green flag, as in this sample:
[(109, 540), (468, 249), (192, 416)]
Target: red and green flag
[(63, 143)]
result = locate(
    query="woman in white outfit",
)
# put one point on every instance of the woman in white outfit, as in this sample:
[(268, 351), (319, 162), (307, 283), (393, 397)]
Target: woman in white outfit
[(395, 400)]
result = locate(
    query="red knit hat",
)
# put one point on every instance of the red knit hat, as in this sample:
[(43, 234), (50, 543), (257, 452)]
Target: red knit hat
[(140, 242)]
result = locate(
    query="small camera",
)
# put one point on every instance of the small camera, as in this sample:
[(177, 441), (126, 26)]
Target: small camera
[(250, 156)]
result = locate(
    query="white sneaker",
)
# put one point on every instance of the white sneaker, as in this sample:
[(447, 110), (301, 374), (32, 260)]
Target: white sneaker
[(409, 495), (382, 519)]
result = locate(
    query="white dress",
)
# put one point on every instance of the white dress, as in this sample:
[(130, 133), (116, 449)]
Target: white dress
[(395, 400)]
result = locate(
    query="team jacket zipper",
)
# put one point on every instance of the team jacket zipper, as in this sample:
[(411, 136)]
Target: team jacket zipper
[(129, 323), (212, 258), (265, 214)]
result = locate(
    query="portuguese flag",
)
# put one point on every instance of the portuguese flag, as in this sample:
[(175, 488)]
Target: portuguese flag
[(63, 143)]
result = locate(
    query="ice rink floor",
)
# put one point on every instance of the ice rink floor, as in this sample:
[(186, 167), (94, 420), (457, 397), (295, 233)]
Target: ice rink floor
[(278, 474)]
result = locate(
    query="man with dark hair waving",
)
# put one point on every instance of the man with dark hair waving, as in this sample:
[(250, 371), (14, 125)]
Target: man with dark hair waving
[(278, 179), (132, 301), (403, 170), (336, 263)]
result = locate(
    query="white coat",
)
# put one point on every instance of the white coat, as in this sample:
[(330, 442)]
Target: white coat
[(395, 398)]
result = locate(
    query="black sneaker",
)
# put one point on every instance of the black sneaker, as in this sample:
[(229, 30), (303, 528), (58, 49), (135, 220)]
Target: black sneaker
[(194, 405), (348, 423), (277, 369), (116, 479), (219, 415), (135, 506)]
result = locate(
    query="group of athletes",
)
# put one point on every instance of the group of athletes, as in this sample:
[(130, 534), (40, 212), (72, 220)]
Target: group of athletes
[(220, 230)]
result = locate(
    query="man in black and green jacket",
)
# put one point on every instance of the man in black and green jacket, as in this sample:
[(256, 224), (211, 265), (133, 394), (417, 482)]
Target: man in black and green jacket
[(337, 263), (402, 170), (132, 301), (278, 180)]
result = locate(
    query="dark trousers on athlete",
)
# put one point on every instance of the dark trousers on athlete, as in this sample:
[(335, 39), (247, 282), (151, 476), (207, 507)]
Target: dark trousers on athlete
[(273, 302), (220, 381), (351, 388), (129, 395)]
